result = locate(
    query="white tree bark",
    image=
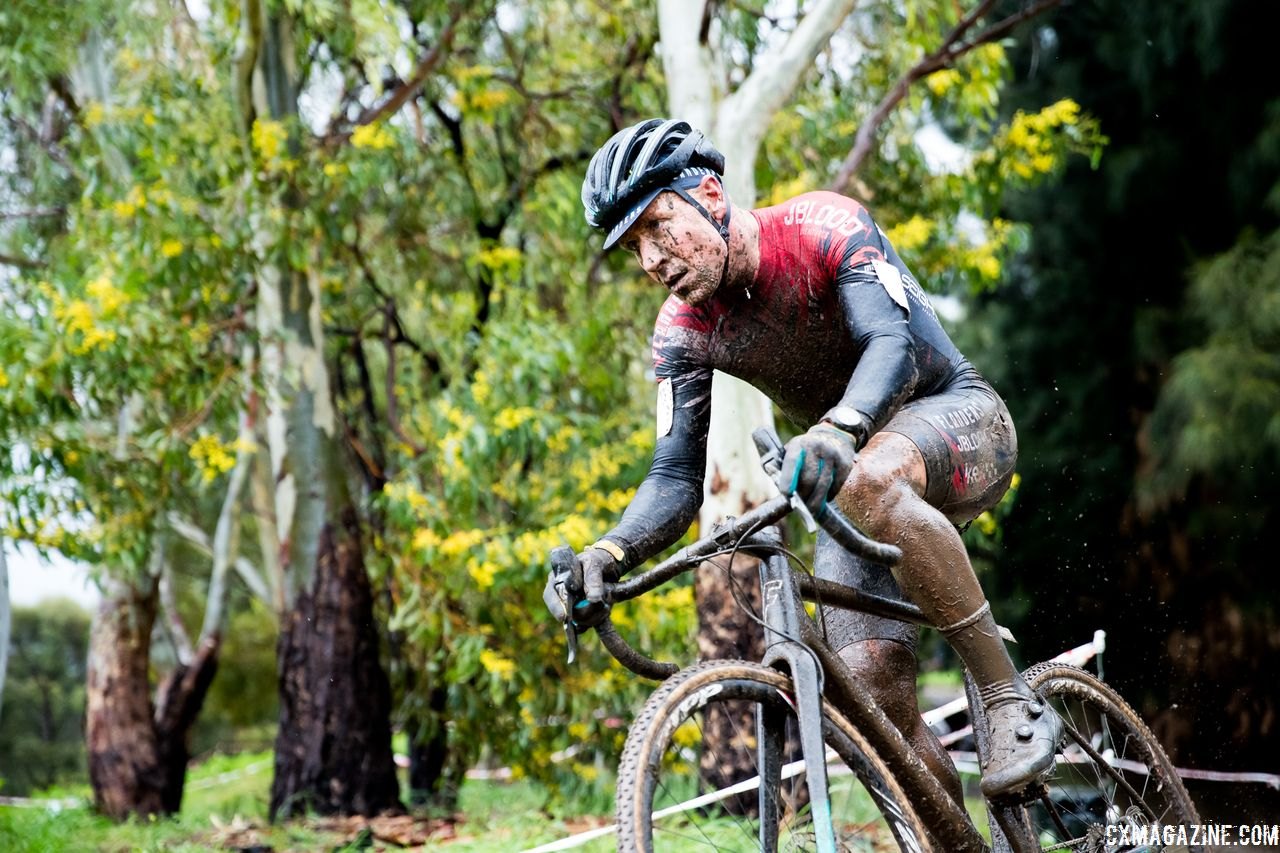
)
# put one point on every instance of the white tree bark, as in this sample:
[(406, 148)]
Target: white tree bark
[(226, 536), (4, 620), (736, 122)]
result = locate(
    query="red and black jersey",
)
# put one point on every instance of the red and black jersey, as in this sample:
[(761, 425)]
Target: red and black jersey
[(833, 316)]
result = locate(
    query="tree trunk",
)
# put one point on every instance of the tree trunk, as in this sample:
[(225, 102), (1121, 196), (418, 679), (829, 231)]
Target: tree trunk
[(178, 703), (333, 747), (138, 750), (333, 750), (432, 781), (124, 752), (4, 620)]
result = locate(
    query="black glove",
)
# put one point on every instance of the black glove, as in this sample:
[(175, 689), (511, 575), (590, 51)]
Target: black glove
[(816, 464), (584, 588)]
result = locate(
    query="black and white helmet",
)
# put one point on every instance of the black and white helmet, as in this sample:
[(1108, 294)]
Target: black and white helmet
[(641, 161)]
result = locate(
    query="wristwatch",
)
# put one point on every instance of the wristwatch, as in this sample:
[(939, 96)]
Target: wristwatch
[(850, 420)]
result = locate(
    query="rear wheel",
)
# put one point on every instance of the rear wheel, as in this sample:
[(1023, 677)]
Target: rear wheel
[(703, 723), (1112, 782)]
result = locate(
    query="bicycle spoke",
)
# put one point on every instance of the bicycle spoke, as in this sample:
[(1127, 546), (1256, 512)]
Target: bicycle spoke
[(717, 705), (1094, 785)]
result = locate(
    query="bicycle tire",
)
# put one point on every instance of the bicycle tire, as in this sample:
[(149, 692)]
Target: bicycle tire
[(1084, 805), (656, 771)]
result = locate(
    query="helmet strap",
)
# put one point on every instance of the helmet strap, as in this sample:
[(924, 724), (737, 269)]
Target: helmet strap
[(722, 227)]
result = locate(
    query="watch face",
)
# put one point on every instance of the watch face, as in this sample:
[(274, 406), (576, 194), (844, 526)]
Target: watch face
[(844, 417)]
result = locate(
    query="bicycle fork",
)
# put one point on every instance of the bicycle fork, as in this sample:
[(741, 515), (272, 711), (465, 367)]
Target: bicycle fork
[(782, 646)]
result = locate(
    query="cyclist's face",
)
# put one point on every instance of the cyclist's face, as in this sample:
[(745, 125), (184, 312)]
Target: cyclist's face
[(677, 246)]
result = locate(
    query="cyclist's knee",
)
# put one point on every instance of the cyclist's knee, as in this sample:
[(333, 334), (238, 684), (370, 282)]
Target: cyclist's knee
[(875, 493)]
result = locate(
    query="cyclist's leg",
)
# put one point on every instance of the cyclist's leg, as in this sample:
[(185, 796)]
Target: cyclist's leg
[(940, 459), (882, 652)]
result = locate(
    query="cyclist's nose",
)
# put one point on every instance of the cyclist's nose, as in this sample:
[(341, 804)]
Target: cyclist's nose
[(650, 258)]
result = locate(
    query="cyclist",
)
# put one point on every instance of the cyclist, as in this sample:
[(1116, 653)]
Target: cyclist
[(809, 302)]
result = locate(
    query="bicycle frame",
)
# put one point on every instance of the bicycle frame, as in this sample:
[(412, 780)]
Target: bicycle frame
[(794, 644)]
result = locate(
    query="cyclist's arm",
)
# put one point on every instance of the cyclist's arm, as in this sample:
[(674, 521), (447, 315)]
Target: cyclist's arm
[(886, 372), (668, 500)]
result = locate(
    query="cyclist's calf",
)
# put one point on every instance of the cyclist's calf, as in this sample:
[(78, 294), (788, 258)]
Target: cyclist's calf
[(888, 669)]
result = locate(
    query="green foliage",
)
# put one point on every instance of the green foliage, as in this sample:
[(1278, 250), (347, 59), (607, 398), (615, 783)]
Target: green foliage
[(944, 217), (1218, 414), (41, 727), (122, 358), (1118, 376)]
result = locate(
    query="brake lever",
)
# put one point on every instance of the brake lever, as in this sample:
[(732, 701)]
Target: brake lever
[(769, 446), (562, 562)]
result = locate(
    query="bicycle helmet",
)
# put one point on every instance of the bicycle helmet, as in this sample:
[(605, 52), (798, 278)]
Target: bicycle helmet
[(641, 161)]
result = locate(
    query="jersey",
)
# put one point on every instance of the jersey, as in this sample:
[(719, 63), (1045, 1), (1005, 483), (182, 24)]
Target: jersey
[(833, 316)]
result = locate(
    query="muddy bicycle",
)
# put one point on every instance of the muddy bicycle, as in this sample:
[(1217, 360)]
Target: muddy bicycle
[(810, 761)]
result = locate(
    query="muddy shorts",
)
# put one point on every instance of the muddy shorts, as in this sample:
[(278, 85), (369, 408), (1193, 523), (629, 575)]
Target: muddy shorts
[(969, 447)]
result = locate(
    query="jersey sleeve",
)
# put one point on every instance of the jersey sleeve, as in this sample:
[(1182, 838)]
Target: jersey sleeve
[(877, 315), (668, 500)]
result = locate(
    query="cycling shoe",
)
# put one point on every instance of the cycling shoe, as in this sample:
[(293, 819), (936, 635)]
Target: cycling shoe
[(1024, 735)]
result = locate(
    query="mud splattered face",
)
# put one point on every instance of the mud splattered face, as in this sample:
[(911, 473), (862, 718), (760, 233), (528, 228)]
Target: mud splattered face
[(677, 246)]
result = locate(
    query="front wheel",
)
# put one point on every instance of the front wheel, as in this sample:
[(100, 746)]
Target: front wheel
[(716, 720), (1112, 786)]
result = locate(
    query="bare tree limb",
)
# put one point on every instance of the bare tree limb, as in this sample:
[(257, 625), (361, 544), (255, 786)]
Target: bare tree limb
[(410, 87), (261, 498), (770, 86), (33, 213), (951, 49), (21, 263), (194, 535), (226, 535), (393, 415), (177, 632)]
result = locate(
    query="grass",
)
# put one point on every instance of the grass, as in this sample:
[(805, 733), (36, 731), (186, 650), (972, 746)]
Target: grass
[(226, 803), (225, 807)]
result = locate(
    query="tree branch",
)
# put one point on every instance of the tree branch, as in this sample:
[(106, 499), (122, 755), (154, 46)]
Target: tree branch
[(173, 619), (191, 532), (33, 213), (410, 87), (21, 263), (393, 415), (952, 48), (226, 535), (772, 83)]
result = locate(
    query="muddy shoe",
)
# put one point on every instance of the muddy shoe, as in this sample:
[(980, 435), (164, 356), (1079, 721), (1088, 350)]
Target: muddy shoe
[(1024, 737)]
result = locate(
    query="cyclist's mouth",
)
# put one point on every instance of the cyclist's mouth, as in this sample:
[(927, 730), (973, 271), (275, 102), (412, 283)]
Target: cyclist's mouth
[(674, 282)]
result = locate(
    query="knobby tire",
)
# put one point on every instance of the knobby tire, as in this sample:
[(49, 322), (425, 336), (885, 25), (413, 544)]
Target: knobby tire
[(660, 767), (1138, 785)]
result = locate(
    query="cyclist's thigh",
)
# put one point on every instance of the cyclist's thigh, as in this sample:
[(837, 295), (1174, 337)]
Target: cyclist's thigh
[(969, 445), (845, 627)]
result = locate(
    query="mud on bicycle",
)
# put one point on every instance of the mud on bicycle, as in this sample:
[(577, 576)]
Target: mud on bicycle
[(824, 767)]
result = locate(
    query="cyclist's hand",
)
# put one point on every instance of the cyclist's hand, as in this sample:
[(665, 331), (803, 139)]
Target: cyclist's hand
[(582, 588), (596, 566), (816, 464)]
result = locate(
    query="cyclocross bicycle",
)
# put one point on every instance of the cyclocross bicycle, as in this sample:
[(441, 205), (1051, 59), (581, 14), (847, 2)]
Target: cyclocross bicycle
[(792, 753)]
